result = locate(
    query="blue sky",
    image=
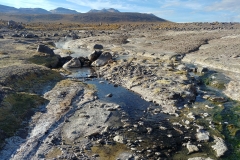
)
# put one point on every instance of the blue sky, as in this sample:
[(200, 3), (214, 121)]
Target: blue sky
[(173, 10)]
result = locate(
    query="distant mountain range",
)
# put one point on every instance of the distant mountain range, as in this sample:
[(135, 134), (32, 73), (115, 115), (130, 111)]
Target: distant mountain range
[(111, 10), (59, 10), (110, 15)]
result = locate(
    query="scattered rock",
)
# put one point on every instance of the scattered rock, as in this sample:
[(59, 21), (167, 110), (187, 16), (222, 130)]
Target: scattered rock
[(202, 135), (191, 148), (119, 139), (98, 46), (220, 146)]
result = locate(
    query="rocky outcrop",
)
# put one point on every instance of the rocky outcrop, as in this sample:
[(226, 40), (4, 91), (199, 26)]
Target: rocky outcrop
[(233, 90), (103, 59), (73, 63)]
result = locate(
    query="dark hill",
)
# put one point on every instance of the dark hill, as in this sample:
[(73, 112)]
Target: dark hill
[(33, 11), (84, 17), (112, 10), (7, 9), (61, 10)]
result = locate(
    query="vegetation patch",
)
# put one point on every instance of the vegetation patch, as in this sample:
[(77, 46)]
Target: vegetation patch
[(231, 128), (15, 108), (44, 60), (28, 78)]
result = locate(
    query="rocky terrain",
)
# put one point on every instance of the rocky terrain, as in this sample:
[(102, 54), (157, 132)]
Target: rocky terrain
[(119, 91)]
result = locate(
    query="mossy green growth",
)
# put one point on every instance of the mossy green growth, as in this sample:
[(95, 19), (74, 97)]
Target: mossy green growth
[(218, 85), (15, 108), (231, 130), (44, 60), (215, 83), (35, 82)]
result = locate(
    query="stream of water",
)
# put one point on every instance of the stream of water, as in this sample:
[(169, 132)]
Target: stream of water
[(222, 120)]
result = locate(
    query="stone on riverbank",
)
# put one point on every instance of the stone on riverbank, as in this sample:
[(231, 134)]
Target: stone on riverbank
[(220, 146), (73, 63), (102, 59)]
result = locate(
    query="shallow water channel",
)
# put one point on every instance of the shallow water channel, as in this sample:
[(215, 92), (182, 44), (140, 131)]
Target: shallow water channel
[(221, 119)]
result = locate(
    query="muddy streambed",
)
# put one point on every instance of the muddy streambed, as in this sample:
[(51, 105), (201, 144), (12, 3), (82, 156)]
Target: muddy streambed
[(151, 134)]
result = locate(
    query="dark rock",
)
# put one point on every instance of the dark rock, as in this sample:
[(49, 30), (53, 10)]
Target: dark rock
[(74, 36), (45, 49), (98, 46), (55, 35), (16, 35), (29, 35), (102, 60), (73, 63), (94, 56), (174, 95), (63, 60), (85, 62), (1, 37)]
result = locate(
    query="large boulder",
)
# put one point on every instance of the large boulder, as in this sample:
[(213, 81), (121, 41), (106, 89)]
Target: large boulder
[(1, 37), (45, 49), (102, 60), (73, 63), (94, 56)]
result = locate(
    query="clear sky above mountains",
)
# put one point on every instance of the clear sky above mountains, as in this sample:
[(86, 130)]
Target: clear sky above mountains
[(173, 10)]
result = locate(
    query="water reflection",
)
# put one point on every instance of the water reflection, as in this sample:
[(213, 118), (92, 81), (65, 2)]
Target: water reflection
[(84, 72)]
